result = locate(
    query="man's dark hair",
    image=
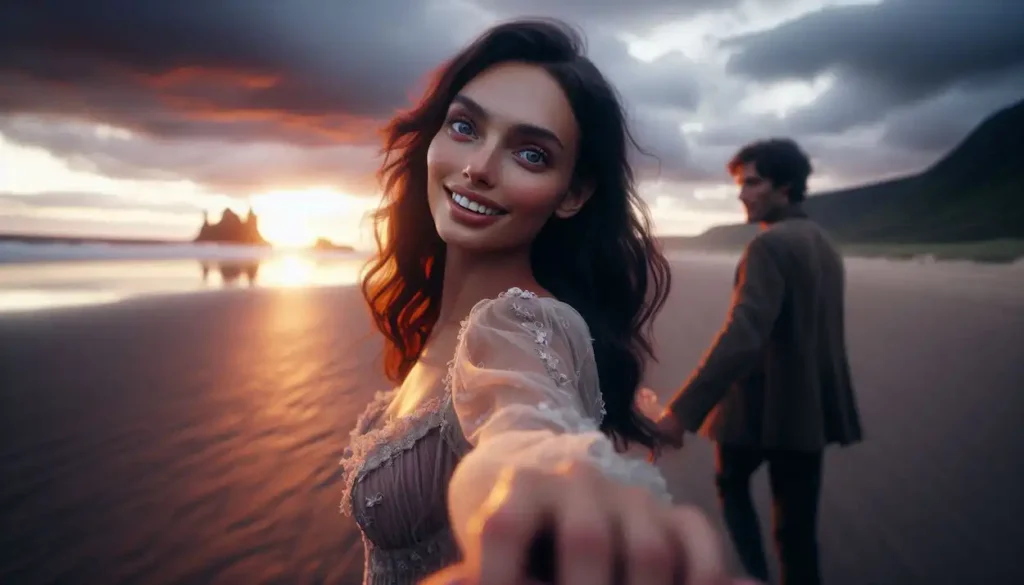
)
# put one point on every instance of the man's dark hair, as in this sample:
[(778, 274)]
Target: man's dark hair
[(780, 160)]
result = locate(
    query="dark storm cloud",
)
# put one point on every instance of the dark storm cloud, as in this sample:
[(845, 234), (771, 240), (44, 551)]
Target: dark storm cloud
[(843, 157), (233, 169), (258, 92), (888, 55), (245, 65), (654, 94), (667, 153), (902, 139), (245, 68), (670, 82), (945, 120), (618, 14)]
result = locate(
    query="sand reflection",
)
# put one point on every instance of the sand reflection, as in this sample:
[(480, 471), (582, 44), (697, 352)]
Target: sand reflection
[(230, 271)]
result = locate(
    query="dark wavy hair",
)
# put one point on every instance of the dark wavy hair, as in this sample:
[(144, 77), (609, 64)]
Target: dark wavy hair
[(603, 261), (780, 160)]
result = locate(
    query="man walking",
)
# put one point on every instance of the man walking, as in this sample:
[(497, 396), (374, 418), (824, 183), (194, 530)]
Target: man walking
[(775, 386)]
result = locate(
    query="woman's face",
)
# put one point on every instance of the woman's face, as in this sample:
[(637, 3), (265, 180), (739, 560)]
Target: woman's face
[(503, 161)]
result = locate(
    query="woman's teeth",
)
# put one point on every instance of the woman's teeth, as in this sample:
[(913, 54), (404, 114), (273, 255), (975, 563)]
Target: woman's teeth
[(473, 206)]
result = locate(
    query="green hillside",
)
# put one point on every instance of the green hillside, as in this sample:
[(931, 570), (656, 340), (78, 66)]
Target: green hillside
[(971, 200)]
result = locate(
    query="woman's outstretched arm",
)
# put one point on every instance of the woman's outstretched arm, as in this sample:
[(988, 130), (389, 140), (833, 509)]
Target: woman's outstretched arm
[(525, 391)]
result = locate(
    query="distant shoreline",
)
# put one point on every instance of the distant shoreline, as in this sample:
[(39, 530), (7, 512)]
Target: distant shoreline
[(45, 239), (986, 252), (1003, 251), (70, 240)]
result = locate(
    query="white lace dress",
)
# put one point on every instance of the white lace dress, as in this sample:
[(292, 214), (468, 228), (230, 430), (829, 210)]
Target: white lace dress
[(522, 389)]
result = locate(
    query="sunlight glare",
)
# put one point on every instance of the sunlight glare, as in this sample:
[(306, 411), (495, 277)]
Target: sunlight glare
[(285, 216), (291, 271), (287, 230), (295, 219)]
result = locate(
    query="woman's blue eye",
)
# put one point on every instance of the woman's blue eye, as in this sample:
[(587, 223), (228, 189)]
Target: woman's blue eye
[(533, 156), (462, 127)]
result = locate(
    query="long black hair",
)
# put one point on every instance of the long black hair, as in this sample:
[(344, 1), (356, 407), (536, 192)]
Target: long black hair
[(603, 261)]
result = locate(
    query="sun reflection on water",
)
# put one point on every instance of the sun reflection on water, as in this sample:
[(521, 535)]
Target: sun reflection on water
[(34, 299), (288, 271), (45, 285)]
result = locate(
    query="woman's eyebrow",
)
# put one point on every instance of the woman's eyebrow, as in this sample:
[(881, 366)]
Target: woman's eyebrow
[(521, 128)]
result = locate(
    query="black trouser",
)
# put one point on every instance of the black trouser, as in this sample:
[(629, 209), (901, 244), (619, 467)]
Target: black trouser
[(795, 479)]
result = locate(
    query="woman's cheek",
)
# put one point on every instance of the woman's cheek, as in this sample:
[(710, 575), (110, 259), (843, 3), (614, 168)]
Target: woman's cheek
[(443, 156), (535, 193)]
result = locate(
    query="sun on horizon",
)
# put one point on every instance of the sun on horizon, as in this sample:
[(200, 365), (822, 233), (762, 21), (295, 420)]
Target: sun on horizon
[(286, 231), (296, 219)]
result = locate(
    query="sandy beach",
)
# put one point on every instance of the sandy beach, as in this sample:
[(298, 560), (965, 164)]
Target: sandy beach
[(194, 438)]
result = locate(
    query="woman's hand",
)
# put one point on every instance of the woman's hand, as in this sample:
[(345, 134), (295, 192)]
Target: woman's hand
[(647, 403), (599, 532)]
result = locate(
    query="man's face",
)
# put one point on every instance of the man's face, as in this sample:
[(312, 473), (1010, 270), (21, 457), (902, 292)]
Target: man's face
[(758, 195)]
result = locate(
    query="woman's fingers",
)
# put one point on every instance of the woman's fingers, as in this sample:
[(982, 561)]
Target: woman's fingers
[(701, 555), (594, 522), (516, 511), (646, 401), (648, 543), (585, 529), (570, 505), (454, 575), (460, 575)]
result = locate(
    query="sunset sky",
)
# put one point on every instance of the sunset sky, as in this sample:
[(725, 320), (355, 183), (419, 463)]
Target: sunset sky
[(128, 118)]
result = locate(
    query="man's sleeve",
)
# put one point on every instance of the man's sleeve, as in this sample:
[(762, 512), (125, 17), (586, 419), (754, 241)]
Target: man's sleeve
[(757, 298)]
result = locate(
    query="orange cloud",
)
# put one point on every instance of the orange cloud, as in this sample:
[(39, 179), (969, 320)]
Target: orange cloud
[(181, 77)]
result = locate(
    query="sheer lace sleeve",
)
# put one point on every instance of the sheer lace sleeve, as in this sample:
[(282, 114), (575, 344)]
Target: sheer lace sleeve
[(525, 390)]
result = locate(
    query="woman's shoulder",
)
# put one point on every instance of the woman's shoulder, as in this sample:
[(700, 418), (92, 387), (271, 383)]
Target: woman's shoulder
[(521, 308)]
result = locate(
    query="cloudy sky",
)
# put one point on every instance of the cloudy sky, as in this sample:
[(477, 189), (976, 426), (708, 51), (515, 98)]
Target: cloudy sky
[(128, 118)]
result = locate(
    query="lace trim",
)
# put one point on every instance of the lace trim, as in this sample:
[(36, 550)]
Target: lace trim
[(542, 338), (567, 418), (370, 449), (627, 470), (434, 553)]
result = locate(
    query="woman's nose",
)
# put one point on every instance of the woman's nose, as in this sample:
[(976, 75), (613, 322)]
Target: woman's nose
[(479, 168)]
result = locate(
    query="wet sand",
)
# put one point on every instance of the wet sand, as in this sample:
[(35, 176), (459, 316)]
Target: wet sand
[(195, 438)]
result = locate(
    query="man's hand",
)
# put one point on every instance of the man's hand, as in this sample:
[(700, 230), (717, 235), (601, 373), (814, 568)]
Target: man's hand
[(669, 426)]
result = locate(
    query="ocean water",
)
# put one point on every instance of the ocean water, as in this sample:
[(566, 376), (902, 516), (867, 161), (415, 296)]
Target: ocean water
[(46, 276), (185, 439)]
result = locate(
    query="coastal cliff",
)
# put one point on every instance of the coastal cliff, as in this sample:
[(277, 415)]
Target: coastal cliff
[(232, 229)]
